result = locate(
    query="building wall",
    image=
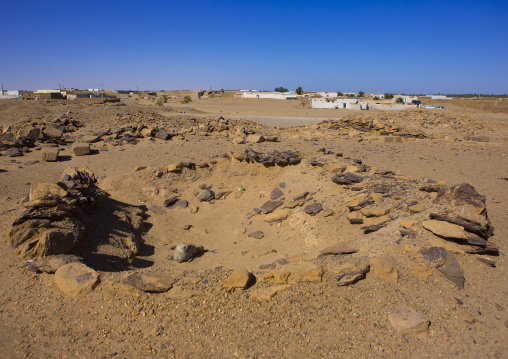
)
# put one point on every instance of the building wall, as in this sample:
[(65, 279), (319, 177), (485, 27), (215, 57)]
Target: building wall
[(335, 103), (392, 107), (272, 95)]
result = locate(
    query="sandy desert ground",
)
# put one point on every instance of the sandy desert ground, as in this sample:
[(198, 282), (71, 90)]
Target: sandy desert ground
[(342, 234)]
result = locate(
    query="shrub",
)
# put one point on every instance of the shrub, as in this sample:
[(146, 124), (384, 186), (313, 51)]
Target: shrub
[(361, 93), (399, 100), (165, 98), (299, 90), (186, 99), (376, 98), (160, 102), (281, 89), (389, 96), (339, 94)]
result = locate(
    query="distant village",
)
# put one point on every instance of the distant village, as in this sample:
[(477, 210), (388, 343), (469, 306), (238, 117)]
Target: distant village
[(318, 100)]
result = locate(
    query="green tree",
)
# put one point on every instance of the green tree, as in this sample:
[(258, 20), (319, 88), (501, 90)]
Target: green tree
[(281, 89), (376, 98), (339, 94), (160, 102), (299, 90), (399, 100), (360, 94), (389, 96)]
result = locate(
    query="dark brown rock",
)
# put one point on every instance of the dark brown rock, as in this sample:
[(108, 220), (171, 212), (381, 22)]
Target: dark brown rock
[(257, 234), (270, 206), (451, 270), (436, 256), (313, 208), (276, 193)]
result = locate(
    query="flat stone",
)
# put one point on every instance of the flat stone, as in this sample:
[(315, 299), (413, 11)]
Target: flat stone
[(356, 200), (76, 279), (487, 261), (340, 248), (277, 216), (257, 234), (269, 206), (313, 208), (184, 252), (162, 134), (276, 193), (445, 229), (152, 282), (299, 272), (206, 196), (407, 321), (409, 223), (452, 271), (376, 211), (270, 292), (50, 154), (417, 208), (240, 278), (352, 272), (81, 149)]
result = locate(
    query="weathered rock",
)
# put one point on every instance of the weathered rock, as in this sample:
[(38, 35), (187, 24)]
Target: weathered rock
[(466, 216), (408, 223), (436, 256), (30, 132), (76, 279), (40, 190), (276, 193), (206, 196), (384, 268), (352, 272), (53, 241), (459, 195), (347, 178), (255, 139), (51, 264), (81, 149), (451, 270), (269, 206), (170, 201), (487, 261), (52, 132), (240, 278), (152, 282), (407, 321), (376, 211), (50, 154), (444, 229), (340, 248), (14, 152), (184, 252), (175, 167), (162, 134), (277, 216), (257, 234), (299, 272), (356, 200), (270, 292), (313, 208)]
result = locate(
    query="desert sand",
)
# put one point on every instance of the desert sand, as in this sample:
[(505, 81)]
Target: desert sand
[(342, 234)]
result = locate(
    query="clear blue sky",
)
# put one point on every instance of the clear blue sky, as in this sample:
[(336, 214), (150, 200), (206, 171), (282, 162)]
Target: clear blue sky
[(429, 46)]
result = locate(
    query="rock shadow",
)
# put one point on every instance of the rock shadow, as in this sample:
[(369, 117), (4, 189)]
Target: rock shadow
[(113, 239)]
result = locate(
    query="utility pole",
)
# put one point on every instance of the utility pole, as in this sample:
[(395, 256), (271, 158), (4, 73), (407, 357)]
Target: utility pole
[(102, 89)]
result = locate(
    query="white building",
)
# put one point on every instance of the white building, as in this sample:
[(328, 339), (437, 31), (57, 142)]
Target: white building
[(271, 95), (348, 103), (9, 94), (407, 99), (327, 94), (440, 97)]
